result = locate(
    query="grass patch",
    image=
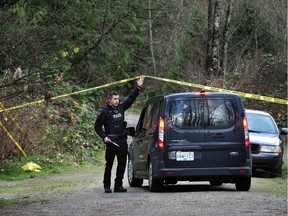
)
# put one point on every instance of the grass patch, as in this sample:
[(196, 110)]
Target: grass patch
[(8, 202), (22, 201), (26, 192), (276, 186), (12, 170)]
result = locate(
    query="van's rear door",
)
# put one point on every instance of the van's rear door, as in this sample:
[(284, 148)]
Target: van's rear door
[(184, 133), (224, 134)]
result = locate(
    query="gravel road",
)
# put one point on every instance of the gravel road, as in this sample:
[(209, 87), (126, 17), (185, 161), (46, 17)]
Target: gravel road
[(81, 193)]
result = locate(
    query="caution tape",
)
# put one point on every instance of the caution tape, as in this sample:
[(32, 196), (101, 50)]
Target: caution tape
[(245, 95), (13, 140), (13, 120), (69, 94)]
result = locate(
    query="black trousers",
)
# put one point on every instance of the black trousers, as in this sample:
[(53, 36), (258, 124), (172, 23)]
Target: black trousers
[(121, 153)]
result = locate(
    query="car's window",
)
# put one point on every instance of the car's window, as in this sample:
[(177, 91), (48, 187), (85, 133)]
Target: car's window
[(140, 122), (261, 123), (186, 113), (155, 116), (147, 118), (203, 112), (220, 113)]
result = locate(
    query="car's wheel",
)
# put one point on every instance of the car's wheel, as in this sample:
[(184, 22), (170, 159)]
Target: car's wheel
[(276, 172), (155, 184), (133, 182), (215, 183), (243, 183)]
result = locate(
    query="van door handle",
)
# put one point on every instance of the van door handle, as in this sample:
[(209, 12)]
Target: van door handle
[(218, 135)]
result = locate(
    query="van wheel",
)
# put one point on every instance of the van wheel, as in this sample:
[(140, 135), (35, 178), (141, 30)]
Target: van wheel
[(243, 183), (155, 185), (133, 182)]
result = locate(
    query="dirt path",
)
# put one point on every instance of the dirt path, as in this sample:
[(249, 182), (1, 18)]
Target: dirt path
[(81, 193)]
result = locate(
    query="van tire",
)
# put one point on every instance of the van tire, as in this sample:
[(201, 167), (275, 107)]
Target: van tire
[(133, 182), (243, 183), (155, 185)]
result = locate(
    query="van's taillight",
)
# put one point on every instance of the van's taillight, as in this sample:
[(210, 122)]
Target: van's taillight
[(246, 132), (161, 133)]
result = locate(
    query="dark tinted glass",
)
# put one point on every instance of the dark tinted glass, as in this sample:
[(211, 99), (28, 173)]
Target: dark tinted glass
[(147, 118), (203, 112), (155, 116)]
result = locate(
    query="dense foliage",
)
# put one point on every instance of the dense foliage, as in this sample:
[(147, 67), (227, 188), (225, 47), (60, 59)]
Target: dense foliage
[(49, 48)]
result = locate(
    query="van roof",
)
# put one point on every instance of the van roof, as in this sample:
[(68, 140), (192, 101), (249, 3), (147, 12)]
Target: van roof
[(192, 94), (201, 93)]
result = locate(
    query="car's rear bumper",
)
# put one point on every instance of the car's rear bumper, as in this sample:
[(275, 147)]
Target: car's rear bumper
[(201, 173), (267, 160)]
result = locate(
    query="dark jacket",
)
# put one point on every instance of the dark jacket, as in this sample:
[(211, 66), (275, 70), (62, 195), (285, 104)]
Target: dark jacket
[(113, 118)]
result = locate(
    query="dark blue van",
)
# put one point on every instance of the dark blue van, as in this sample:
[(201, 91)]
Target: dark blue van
[(197, 136)]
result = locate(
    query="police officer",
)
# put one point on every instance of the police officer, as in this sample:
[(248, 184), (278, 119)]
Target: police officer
[(112, 118)]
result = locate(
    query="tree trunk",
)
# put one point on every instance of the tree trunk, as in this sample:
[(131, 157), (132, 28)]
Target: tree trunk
[(223, 63), (209, 38), (215, 67), (151, 39)]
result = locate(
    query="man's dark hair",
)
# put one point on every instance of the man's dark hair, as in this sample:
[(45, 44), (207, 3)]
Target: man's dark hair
[(110, 95)]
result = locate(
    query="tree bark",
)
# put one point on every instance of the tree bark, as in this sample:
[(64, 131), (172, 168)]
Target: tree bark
[(151, 39), (223, 63), (215, 66), (209, 38)]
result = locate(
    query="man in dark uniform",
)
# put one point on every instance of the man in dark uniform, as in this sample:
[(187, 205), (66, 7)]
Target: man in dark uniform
[(114, 137)]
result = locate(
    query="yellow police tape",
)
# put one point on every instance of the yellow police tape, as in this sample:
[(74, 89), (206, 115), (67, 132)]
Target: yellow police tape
[(7, 132), (69, 94), (246, 95), (13, 120), (13, 140)]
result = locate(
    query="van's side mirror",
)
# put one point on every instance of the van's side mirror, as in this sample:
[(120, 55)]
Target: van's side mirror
[(284, 131), (130, 131)]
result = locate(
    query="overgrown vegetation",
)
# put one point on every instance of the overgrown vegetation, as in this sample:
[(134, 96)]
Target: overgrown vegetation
[(58, 47), (50, 164)]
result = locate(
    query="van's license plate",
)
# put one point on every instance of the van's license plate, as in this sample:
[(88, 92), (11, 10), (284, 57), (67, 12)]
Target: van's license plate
[(184, 156)]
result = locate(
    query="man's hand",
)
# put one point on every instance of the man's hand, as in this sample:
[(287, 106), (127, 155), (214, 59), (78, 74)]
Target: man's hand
[(140, 81), (107, 140)]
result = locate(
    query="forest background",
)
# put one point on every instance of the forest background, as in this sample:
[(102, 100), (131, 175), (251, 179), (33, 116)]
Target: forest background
[(50, 48)]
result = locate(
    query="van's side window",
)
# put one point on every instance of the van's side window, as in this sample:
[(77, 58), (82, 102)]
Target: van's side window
[(140, 123), (147, 118), (155, 116)]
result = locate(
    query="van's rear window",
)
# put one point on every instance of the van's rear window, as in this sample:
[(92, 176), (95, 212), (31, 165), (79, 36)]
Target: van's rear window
[(203, 112)]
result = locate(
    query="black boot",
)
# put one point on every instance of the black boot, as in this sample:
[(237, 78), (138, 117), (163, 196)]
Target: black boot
[(120, 189), (107, 190)]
